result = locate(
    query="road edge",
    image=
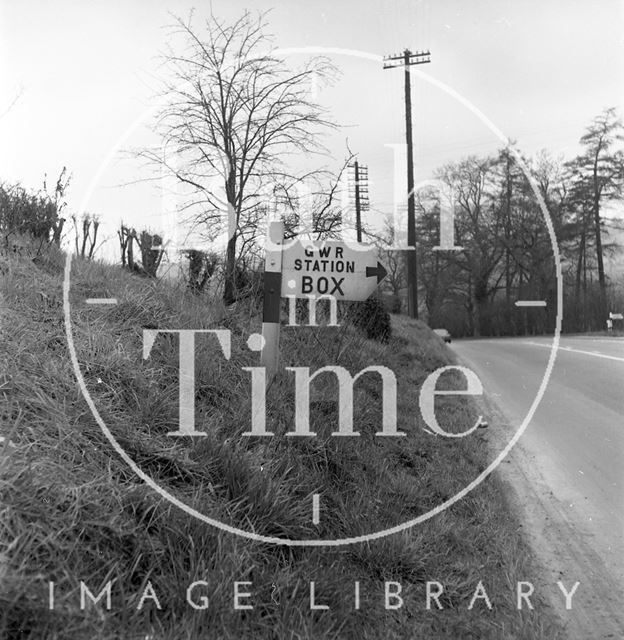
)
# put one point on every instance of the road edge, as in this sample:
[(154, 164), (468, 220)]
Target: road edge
[(549, 535)]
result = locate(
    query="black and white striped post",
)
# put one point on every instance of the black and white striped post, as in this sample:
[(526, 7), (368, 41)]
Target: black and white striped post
[(269, 356)]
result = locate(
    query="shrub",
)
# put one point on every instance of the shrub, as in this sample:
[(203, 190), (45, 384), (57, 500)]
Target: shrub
[(392, 303), (249, 283), (31, 214), (202, 266), (372, 319)]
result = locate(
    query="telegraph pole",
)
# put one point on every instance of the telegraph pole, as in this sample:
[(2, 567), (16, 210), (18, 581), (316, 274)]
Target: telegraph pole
[(407, 59), (358, 211), (361, 195)]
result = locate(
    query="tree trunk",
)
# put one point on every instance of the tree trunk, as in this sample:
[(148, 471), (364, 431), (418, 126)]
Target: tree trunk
[(601, 274), (470, 308), (130, 251), (521, 295), (578, 304), (86, 223), (508, 329), (96, 226), (58, 230), (481, 308), (229, 289)]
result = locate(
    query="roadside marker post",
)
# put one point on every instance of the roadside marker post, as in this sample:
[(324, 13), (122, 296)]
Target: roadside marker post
[(269, 356), (611, 318)]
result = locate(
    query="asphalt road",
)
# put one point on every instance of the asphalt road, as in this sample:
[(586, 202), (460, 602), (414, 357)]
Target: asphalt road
[(571, 454)]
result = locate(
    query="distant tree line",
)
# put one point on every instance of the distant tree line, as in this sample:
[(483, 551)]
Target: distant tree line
[(507, 253), (235, 117)]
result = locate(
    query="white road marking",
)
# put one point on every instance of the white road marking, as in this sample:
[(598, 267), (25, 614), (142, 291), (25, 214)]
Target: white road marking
[(587, 353), (101, 300), (607, 340)]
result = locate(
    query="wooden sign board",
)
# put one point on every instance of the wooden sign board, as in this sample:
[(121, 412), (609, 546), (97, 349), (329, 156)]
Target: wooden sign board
[(330, 268), (616, 316)]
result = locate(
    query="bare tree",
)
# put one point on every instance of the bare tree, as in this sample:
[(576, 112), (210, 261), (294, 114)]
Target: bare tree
[(126, 238), (322, 215), (472, 182), (85, 234), (59, 203), (393, 260), (237, 120)]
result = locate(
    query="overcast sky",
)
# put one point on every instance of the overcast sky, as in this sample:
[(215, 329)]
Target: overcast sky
[(84, 72)]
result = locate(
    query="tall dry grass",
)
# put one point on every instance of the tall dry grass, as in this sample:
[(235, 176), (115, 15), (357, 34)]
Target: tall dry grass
[(73, 511)]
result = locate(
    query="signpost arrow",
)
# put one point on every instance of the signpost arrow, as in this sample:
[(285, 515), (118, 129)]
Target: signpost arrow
[(379, 271), (331, 268)]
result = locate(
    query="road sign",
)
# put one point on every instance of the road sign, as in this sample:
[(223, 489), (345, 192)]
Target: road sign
[(616, 316), (330, 268)]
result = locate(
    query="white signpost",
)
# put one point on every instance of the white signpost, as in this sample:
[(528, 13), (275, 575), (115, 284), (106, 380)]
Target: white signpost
[(305, 270), (331, 268)]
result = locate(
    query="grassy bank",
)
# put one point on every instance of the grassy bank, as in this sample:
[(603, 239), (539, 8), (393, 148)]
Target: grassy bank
[(74, 511)]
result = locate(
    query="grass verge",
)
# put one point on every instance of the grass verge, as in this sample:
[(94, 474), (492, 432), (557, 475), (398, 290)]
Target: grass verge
[(74, 512)]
